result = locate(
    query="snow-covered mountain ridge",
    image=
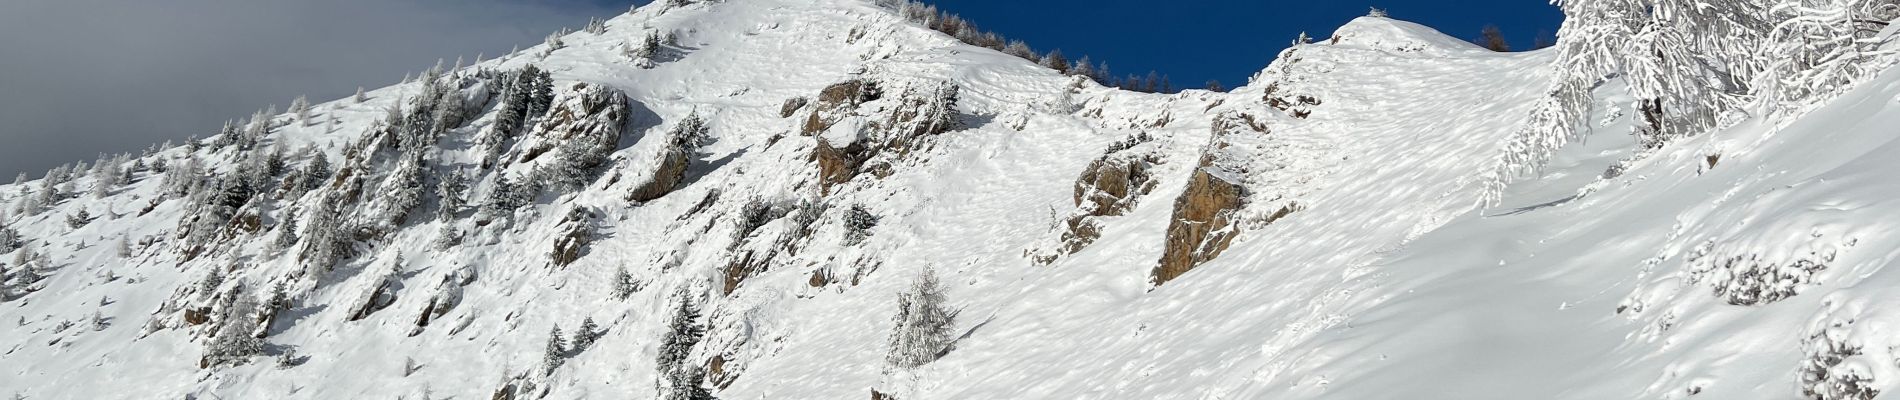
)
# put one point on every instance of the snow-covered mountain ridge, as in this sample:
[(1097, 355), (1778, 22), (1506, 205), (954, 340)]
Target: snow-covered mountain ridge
[(788, 167)]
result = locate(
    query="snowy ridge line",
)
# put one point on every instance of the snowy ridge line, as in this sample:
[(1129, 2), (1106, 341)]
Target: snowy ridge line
[(818, 199)]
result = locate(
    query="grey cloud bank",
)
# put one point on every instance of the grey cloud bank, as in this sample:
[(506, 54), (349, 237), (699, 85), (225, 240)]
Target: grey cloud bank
[(83, 77)]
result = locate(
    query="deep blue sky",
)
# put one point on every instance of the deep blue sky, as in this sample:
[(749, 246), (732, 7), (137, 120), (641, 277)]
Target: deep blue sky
[(1196, 40)]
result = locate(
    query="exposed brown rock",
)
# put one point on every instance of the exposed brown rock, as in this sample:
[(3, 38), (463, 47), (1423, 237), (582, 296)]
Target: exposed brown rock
[(818, 279), (197, 316), (814, 124), (833, 103), (1110, 186), (792, 105), (1202, 225), (718, 373), (851, 92), (835, 166), (741, 268), (666, 177), (568, 247)]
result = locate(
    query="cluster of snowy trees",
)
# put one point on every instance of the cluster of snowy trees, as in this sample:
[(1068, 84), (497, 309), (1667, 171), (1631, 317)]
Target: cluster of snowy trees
[(524, 94), (559, 349), (963, 30), (27, 267), (681, 379), (61, 183), (1694, 66)]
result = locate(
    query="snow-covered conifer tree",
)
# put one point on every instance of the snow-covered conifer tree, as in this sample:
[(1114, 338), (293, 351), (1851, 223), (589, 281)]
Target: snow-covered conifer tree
[(682, 333), (317, 171), (858, 223), (1021, 50), (556, 352), (235, 342), (324, 240), (585, 336), (923, 323), (449, 192), (623, 284), (286, 233), (300, 107), (1054, 60)]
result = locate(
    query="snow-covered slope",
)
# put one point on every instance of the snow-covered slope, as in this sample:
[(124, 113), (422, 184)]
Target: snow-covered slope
[(1339, 254)]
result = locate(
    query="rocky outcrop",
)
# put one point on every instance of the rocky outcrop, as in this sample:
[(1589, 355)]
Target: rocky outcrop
[(745, 266), (834, 103), (836, 166), (666, 177), (376, 299), (1203, 224), (1111, 186)]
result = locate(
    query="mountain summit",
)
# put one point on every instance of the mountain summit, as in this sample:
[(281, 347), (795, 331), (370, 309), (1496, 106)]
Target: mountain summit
[(825, 199)]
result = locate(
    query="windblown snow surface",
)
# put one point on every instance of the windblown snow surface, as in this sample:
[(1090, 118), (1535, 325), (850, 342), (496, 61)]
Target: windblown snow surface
[(1383, 278)]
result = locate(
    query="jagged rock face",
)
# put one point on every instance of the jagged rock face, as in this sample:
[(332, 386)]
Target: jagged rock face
[(1111, 186), (671, 170), (833, 104), (1202, 225), (835, 166)]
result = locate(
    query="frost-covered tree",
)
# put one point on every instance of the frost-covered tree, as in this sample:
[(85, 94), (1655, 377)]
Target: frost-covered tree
[(649, 47), (1686, 62), (1021, 50), (595, 26), (923, 323), (505, 196), (184, 180), (686, 385), (300, 108), (447, 237), (1085, 68), (553, 43), (1054, 60), (1492, 39), (583, 155), (450, 191), (123, 249), (690, 134), (857, 224), (286, 233), (556, 352), (585, 336), (539, 86), (236, 342), (1818, 48), (403, 189), (623, 283), (325, 239), (683, 332), (359, 98), (209, 284), (227, 136), (317, 171), (9, 238)]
